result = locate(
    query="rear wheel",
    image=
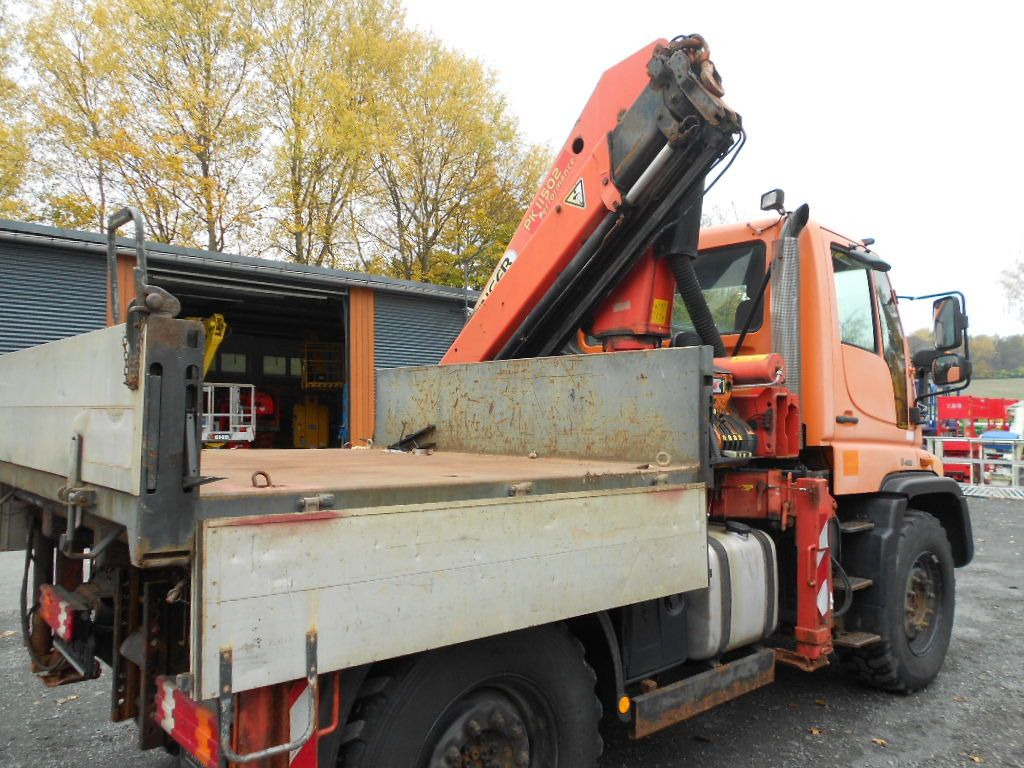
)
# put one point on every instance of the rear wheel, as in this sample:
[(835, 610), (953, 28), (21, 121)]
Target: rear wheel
[(516, 700), (919, 617)]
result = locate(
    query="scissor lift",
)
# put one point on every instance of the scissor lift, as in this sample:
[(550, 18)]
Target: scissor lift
[(228, 414)]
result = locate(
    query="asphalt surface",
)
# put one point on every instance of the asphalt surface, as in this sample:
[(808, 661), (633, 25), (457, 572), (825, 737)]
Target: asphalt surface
[(972, 715)]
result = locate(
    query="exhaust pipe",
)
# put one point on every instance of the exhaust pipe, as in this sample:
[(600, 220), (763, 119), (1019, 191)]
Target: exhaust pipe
[(786, 297)]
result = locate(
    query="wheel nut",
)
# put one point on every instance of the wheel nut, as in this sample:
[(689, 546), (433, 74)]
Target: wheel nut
[(497, 720), (453, 756), (473, 728), (522, 759), (516, 730)]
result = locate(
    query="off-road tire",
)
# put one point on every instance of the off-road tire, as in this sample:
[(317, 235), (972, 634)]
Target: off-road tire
[(407, 709), (901, 662)]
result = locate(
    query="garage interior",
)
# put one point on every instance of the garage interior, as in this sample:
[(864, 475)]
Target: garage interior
[(277, 378)]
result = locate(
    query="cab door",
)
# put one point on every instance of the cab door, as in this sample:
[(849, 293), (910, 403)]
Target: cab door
[(872, 435)]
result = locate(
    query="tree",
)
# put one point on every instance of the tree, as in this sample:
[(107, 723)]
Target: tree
[(192, 143), (1010, 355), (13, 130), (324, 65), (479, 231), (983, 356), (447, 134), (78, 66)]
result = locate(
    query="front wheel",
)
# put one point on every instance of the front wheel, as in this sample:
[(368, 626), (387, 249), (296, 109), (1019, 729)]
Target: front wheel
[(512, 701), (919, 617)]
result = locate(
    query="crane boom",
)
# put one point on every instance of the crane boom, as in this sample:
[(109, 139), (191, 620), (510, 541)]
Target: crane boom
[(632, 168)]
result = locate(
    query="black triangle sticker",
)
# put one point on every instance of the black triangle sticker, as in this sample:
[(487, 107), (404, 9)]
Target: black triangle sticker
[(577, 198)]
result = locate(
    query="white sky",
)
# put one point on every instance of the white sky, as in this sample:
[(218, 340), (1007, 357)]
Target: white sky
[(899, 121)]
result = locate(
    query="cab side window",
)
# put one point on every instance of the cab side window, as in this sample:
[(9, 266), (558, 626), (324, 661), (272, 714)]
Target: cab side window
[(854, 296)]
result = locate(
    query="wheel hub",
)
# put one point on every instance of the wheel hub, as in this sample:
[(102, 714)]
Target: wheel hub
[(487, 733), (921, 603)]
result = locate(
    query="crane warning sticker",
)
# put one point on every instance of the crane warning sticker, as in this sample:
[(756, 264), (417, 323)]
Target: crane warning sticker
[(578, 197)]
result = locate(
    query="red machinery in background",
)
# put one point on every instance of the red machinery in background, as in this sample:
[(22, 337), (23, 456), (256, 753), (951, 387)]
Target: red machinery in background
[(968, 416)]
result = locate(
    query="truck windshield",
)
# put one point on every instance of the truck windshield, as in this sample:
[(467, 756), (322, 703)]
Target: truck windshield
[(729, 278)]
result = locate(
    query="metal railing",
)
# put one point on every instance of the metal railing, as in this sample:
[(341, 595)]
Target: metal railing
[(992, 462)]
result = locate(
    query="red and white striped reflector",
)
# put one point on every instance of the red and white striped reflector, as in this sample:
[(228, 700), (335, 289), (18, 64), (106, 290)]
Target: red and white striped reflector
[(57, 611), (191, 725), (298, 720)]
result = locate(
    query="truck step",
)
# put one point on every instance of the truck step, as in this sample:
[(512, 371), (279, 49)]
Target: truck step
[(855, 639), (855, 526), (857, 583)]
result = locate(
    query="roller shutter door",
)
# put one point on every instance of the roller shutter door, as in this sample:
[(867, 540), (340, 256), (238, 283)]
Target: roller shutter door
[(414, 330), (48, 293)]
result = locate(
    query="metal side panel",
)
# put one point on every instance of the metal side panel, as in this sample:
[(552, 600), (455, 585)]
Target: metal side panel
[(382, 582), (627, 406), (74, 385)]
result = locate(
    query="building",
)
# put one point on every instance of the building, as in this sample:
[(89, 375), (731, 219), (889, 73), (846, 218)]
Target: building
[(53, 284)]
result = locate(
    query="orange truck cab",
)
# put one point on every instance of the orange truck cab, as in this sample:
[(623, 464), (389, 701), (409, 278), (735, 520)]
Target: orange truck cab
[(856, 382)]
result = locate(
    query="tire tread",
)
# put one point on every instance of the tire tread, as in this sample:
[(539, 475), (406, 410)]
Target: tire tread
[(878, 665), (373, 704)]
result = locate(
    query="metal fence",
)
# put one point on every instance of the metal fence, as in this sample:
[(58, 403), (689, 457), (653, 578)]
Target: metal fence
[(984, 466)]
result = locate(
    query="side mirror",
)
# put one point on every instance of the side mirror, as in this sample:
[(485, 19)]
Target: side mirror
[(950, 369), (950, 323)]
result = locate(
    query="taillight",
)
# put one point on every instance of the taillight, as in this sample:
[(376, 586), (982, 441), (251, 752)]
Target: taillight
[(188, 723), (58, 611)]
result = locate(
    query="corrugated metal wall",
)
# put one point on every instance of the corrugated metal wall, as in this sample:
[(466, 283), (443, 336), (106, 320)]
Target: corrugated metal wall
[(48, 293), (414, 330)]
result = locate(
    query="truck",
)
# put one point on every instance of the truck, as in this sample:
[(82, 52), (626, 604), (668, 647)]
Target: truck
[(655, 464)]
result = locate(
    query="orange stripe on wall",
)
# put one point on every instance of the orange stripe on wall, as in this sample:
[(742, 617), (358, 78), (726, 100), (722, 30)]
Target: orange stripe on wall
[(361, 370)]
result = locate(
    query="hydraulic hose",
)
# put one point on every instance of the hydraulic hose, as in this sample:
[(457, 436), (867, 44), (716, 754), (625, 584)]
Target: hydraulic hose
[(680, 248)]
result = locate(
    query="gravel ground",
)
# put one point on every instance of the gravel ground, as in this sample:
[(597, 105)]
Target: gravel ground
[(973, 714)]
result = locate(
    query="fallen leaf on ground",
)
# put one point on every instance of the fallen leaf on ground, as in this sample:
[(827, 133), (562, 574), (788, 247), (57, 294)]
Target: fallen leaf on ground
[(816, 730), (7, 633), (880, 742), (976, 758), (66, 699), (960, 698), (821, 702)]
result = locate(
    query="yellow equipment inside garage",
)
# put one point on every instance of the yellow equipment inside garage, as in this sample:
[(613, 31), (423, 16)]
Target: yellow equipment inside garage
[(311, 424)]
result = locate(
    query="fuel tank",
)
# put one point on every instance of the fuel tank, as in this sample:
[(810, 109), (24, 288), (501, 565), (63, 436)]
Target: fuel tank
[(741, 604)]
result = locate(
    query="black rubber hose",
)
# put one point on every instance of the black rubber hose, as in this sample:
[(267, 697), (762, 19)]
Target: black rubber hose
[(680, 248), (847, 589)]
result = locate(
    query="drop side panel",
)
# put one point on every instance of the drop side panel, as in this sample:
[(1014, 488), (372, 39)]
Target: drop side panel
[(381, 582)]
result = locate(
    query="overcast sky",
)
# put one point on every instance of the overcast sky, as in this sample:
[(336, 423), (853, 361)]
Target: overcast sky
[(899, 120)]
